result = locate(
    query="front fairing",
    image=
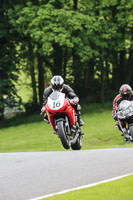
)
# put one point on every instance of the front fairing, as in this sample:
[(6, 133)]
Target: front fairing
[(56, 101), (58, 106), (125, 110)]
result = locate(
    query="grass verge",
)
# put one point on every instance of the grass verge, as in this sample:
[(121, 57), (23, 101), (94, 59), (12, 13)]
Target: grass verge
[(31, 133), (120, 189)]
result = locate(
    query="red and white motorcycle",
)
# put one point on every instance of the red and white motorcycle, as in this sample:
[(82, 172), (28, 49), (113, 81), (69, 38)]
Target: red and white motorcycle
[(63, 119)]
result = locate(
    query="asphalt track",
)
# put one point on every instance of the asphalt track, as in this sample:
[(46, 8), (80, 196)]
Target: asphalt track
[(24, 176)]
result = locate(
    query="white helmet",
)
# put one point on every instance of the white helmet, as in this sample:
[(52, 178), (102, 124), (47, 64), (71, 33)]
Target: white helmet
[(57, 83)]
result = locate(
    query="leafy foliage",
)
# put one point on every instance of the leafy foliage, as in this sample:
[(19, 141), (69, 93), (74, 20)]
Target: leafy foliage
[(8, 58), (91, 41)]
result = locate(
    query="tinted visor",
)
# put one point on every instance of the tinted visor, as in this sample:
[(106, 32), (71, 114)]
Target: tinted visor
[(125, 96), (57, 87)]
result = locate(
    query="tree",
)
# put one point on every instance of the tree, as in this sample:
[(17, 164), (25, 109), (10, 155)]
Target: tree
[(8, 57), (89, 43)]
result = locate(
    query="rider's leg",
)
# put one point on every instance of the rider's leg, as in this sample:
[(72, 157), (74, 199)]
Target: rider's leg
[(81, 122), (117, 126), (46, 118)]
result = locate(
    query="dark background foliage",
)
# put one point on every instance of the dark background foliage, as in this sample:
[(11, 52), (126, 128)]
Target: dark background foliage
[(89, 43)]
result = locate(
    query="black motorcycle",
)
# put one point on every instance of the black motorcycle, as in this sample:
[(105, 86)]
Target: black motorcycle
[(125, 119)]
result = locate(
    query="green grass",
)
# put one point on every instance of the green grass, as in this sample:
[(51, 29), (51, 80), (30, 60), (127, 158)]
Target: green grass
[(31, 133), (115, 190)]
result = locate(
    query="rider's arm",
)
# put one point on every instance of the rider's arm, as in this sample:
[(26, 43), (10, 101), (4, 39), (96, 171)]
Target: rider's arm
[(116, 102), (70, 93), (46, 94)]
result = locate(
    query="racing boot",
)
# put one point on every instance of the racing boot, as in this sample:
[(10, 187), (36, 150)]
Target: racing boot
[(81, 133), (46, 118), (80, 121), (54, 131)]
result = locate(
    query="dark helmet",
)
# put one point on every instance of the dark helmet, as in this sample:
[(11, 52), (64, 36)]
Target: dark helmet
[(125, 91), (57, 83)]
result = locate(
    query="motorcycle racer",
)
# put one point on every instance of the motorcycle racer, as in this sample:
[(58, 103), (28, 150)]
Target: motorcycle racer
[(57, 83), (125, 93)]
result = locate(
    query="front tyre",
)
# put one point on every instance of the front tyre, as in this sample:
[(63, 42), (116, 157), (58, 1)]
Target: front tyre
[(131, 130), (65, 140), (77, 145)]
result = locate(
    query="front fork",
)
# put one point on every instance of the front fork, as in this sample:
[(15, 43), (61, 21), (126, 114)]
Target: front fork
[(126, 125), (124, 130)]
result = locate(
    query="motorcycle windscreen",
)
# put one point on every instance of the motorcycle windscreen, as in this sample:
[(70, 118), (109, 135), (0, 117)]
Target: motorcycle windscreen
[(56, 100)]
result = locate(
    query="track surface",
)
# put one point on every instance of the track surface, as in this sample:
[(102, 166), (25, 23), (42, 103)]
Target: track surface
[(28, 175)]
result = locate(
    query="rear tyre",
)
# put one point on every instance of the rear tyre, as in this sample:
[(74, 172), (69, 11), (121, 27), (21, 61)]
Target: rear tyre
[(77, 145), (65, 140)]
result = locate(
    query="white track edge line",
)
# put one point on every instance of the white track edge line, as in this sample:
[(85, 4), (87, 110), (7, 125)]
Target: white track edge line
[(81, 187)]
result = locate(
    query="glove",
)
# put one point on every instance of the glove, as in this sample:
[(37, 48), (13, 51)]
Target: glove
[(72, 102), (115, 118), (42, 110), (114, 115)]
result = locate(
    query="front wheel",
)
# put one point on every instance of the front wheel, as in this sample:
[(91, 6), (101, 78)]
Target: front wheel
[(131, 130), (77, 145), (65, 140)]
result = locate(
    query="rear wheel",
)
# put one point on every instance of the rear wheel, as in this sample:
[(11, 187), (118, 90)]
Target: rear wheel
[(65, 140), (77, 145)]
